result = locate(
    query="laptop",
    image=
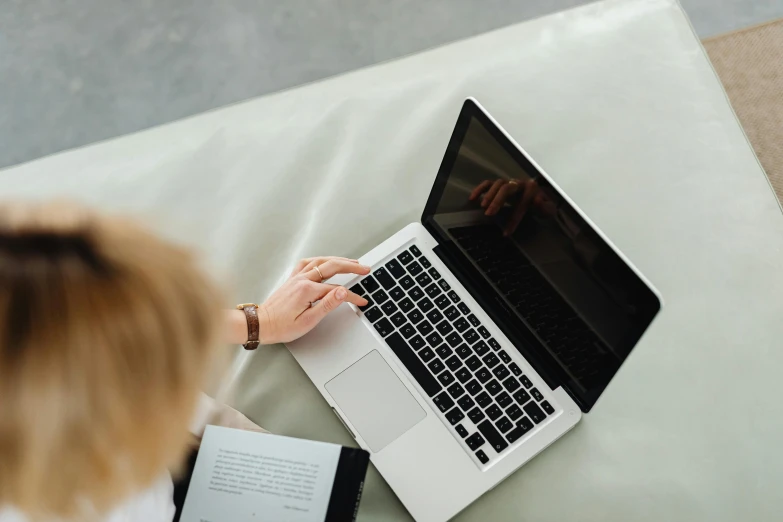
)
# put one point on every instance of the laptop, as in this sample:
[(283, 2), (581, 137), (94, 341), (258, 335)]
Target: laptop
[(492, 326)]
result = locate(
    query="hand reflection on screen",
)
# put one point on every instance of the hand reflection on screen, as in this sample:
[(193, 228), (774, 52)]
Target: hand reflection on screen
[(527, 194)]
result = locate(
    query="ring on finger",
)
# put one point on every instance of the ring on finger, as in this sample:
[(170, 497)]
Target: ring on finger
[(319, 273)]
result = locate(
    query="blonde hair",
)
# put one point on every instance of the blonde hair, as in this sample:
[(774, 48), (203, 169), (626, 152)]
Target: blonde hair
[(105, 339)]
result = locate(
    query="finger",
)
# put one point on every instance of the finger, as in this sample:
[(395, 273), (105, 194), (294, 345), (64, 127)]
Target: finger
[(336, 266), (317, 291), (318, 261), (531, 191), (328, 303), (481, 187), (492, 191), (501, 197)]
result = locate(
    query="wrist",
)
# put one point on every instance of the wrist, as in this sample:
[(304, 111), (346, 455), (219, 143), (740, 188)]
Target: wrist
[(264, 325)]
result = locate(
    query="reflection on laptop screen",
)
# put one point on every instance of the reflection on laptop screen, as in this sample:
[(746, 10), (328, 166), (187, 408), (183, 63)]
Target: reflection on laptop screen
[(585, 307)]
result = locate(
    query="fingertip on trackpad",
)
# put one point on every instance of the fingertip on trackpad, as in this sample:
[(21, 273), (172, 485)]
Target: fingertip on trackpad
[(375, 401)]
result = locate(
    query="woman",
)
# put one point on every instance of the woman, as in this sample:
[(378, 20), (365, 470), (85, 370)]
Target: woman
[(106, 337)]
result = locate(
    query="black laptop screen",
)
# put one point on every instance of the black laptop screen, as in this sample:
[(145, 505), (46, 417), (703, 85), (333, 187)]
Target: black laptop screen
[(567, 300)]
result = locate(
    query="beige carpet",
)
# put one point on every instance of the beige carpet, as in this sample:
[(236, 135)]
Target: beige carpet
[(750, 65)]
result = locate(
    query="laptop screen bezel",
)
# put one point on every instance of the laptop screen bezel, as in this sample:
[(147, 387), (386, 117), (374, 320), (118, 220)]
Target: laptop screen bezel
[(537, 355)]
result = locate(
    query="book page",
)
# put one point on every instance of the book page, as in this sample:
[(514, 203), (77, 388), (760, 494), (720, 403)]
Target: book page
[(246, 476)]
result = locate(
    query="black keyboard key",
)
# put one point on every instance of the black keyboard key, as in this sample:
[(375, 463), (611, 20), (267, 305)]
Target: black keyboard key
[(380, 297), (414, 365), (426, 354), (444, 327), (373, 314), (534, 412), (434, 274), (417, 343), (503, 424), (493, 412), (471, 336), (435, 316), (415, 251), (407, 330), (406, 305), (389, 307), (357, 289), (405, 257), (461, 324), (443, 351), (451, 313), (446, 378), (370, 284), (384, 327), (465, 402), (442, 301), (384, 278), (453, 362), (463, 308), (444, 285), (475, 441), (424, 262), (501, 372), (482, 456), (425, 305), (491, 360), (454, 297), (424, 328), (506, 358), (461, 431), (483, 399), (493, 387), (463, 375), (475, 415), (480, 348), (514, 412), (436, 366), (536, 394), (483, 331), (415, 268), (473, 387), (517, 433), (473, 362), (494, 344), (455, 416), (504, 399), (547, 408), (494, 438), (521, 396), (415, 316), (396, 293), (516, 370), (512, 384), (423, 279), (395, 268), (453, 339), (474, 320), (444, 402), (368, 305), (463, 351), (433, 291), (407, 282), (398, 319), (483, 375), (456, 390), (416, 293), (434, 339), (526, 382)]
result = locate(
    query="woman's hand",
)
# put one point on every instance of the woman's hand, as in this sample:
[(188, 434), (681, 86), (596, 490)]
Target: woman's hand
[(303, 300)]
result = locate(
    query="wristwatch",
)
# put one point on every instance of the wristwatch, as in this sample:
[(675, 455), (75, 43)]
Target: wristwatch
[(251, 314)]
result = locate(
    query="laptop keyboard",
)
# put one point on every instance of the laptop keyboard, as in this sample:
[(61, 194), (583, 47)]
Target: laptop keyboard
[(483, 395), (545, 311)]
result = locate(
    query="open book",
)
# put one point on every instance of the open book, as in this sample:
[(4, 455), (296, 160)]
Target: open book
[(243, 476)]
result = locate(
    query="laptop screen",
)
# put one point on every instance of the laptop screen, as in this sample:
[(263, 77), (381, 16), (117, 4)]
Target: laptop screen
[(567, 300)]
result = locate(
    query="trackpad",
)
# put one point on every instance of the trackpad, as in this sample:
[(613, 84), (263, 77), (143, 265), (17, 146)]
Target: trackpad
[(375, 401)]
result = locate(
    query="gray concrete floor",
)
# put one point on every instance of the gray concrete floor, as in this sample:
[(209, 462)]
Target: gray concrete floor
[(73, 72)]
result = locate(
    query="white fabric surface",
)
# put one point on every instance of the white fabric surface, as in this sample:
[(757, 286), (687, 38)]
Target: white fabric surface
[(618, 102)]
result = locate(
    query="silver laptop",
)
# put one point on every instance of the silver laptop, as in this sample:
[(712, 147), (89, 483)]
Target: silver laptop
[(493, 324)]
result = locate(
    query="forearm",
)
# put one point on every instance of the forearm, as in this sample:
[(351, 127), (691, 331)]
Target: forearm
[(236, 327)]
